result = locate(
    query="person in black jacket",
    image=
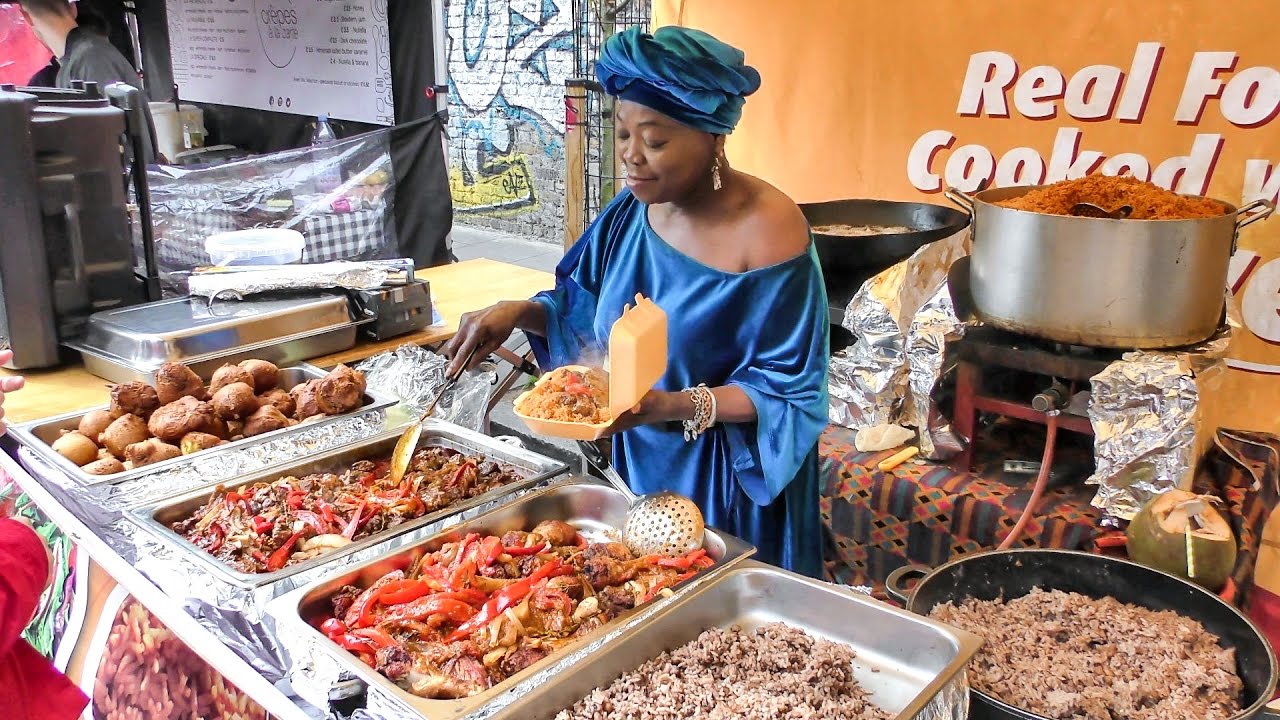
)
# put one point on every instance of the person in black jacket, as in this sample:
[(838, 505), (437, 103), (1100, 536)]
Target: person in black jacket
[(84, 53)]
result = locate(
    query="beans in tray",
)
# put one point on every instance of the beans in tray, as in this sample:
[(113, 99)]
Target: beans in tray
[(475, 612), (146, 424), (267, 526)]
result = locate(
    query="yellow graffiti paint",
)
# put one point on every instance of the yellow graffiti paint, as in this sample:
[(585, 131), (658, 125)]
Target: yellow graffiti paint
[(504, 187)]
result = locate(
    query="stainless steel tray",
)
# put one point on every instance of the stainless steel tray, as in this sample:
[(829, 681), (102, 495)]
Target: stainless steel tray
[(903, 660), (592, 507), (40, 434), (132, 343), (532, 468)]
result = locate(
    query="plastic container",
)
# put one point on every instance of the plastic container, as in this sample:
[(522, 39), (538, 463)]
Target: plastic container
[(264, 246), (637, 360), (327, 167)]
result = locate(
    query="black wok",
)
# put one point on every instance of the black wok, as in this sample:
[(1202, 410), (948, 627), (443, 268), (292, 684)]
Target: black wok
[(841, 255), (1013, 573)]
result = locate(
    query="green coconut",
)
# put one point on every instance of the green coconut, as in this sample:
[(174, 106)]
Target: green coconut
[(1182, 534)]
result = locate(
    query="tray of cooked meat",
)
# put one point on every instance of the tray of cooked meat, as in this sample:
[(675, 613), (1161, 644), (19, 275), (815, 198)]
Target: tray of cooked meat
[(151, 428), (761, 642), (290, 518), (450, 623)]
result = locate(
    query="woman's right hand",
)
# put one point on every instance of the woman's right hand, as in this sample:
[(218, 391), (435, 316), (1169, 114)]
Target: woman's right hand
[(485, 331)]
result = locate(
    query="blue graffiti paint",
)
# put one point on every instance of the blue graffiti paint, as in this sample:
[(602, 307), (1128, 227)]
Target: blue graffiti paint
[(474, 10)]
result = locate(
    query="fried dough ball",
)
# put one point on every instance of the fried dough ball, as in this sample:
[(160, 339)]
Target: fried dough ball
[(306, 399), (264, 420), (197, 441), (235, 429), (123, 432), (228, 374), (235, 401), (185, 415), (134, 398), (76, 447), (341, 391), (149, 452), (266, 376), (281, 399), (175, 380), (94, 423), (104, 466)]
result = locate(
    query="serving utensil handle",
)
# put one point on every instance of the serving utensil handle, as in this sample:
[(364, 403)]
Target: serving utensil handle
[(895, 585), (965, 201)]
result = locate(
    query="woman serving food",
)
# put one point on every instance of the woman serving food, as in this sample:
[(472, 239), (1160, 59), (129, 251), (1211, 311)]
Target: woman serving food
[(734, 422)]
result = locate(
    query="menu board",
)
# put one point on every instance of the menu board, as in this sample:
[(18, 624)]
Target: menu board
[(306, 57)]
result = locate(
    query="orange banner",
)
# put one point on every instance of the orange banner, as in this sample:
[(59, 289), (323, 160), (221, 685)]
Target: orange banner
[(900, 99)]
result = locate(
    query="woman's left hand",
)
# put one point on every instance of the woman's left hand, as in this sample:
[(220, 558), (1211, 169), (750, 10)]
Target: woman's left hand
[(658, 406)]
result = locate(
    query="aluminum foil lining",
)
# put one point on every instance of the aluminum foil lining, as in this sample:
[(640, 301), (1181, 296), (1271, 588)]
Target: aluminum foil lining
[(414, 375), (902, 319), (321, 276), (1145, 411)]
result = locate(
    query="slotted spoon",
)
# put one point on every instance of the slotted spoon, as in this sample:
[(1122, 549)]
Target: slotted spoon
[(662, 523), (408, 442), (1094, 211)]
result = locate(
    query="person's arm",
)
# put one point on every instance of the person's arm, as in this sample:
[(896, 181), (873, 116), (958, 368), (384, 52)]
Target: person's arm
[(25, 563), (7, 385), (733, 405)]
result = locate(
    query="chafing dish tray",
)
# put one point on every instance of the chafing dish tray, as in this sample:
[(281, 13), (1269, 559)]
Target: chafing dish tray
[(132, 343), (532, 468), (595, 509), (40, 434), (903, 660)]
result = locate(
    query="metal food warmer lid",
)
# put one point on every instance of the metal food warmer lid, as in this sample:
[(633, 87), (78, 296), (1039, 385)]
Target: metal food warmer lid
[(189, 330)]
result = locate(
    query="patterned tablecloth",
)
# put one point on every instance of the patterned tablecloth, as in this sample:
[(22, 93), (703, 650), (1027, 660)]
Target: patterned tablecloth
[(358, 235)]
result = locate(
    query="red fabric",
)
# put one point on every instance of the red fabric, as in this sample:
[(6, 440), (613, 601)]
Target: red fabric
[(30, 687), (21, 53)]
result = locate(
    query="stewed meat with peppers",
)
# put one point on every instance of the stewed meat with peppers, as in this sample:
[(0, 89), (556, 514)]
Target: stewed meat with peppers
[(266, 526), (477, 611)]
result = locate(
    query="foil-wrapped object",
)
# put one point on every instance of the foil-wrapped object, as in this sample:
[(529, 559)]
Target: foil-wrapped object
[(322, 276), (902, 319), (1145, 410), (414, 375)]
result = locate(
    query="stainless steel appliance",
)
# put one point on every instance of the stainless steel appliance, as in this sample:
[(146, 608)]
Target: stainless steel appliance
[(67, 249)]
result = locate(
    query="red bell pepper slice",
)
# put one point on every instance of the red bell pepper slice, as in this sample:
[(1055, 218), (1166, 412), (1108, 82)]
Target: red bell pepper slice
[(403, 591), (360, 613), (526, 549), (326, 512), (507, 597), (257, 555), (462, 576), (379, 637), (447, 608), (219, 534), (683, 562), (489, 551), (464, 550), (356, 520), (312, 521), (295, 499), (262, 525), (333, 626), (462, 469), (355, 644), (280, 557)]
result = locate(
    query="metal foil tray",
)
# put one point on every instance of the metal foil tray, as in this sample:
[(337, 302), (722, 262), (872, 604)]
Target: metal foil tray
[(132, 343), (597, 510), (532, 468), (903, 660), (39, 435)]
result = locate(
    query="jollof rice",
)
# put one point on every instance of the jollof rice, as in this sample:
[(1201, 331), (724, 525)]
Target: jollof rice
[(1149, 201), (570, 394)]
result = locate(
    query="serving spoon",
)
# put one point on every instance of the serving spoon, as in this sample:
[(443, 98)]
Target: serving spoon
[(1090, 210), (408, 441)]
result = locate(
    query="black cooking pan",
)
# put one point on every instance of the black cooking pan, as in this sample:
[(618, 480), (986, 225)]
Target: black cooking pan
[(842, 255), (1013, 573)]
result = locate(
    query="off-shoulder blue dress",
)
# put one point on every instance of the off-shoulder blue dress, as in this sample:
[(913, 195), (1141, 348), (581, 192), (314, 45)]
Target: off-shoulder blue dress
[(764, 330)]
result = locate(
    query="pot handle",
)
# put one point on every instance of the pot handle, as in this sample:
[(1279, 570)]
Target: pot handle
[(1244, 218), (966, 202), (895, 585)]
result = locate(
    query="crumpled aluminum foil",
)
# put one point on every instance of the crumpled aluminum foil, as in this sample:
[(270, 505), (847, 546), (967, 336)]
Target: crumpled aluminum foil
[(902, 319), (1145, 411), (321, 276), (415, 374)]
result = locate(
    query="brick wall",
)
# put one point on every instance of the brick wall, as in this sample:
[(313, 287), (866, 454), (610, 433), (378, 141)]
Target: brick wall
[(508, 61)]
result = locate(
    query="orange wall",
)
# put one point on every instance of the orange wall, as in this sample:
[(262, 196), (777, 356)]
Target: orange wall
[(850, 87)]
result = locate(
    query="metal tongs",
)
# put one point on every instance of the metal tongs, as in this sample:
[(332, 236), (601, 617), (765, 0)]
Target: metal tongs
[(409, 440)]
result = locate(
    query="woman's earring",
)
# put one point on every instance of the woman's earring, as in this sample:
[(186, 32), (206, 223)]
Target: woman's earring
[(716, 183)]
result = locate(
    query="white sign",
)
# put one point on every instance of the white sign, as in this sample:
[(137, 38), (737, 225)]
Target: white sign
[(306, 57)]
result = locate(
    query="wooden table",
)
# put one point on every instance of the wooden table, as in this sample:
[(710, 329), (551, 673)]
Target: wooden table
[(455, 289)]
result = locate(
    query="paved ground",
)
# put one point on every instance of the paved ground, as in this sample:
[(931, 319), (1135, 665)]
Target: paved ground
[(470, 243)]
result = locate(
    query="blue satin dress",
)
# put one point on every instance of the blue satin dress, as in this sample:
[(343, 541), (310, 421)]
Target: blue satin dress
[(764, 330)]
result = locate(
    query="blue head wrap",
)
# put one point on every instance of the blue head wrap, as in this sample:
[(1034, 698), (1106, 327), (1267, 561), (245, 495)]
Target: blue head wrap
[(685, 74)]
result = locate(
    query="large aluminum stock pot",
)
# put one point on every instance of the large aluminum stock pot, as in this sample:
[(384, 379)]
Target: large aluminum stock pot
[(1097, 281)]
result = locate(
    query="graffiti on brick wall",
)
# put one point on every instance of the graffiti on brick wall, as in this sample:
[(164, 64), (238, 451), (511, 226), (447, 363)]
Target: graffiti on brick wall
[(507, 66)]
